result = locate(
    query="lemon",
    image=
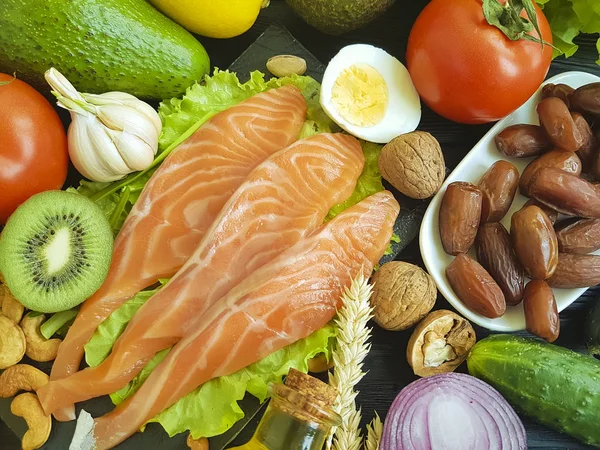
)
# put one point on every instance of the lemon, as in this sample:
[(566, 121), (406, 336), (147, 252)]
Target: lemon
[(213, 18)]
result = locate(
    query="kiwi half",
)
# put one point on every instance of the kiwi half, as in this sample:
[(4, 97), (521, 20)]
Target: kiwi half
[(55, 251)]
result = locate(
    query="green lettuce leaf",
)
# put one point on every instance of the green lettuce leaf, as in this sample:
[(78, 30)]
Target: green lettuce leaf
[(101, 343), (368, 183), (569, 18), (212, 408)]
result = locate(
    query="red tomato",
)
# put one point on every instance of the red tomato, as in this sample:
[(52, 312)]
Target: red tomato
[(33, 145), (469, 71)]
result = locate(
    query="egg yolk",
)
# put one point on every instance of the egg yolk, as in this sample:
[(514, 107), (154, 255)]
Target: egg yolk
[(360, 95)]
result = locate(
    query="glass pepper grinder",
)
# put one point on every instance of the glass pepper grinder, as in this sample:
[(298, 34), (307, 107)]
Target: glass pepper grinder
[(299, 415)]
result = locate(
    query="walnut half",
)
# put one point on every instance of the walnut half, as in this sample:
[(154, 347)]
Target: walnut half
[(440, 343)]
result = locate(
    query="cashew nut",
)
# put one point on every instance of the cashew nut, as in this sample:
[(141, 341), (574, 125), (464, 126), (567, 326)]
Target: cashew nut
[(319, 363), (38, 347), (29, 408), (21, 377), (197, 444), (12, 343), (11, 307)]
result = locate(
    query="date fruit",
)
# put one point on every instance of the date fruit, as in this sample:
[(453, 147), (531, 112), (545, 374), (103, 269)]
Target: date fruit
[(587, 99), (569, 162), (496, 254), (560, 90), (587, 152), (551, 213), (541, 313), (582, 237), (475, 287), (523, 141), (498, 187), (576, 271), (534, 241), (556, 119), (460, 213), (565, 192)]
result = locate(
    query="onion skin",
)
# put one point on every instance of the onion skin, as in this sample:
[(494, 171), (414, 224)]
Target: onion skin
[(468, 414)]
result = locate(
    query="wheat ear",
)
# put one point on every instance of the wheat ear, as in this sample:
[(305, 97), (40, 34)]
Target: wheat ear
[(351, 349), (374, 431)]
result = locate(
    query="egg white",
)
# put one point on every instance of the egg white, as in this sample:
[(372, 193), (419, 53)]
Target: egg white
[(403, 112)]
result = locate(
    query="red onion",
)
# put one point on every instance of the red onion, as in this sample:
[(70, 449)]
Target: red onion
[(452, 411)]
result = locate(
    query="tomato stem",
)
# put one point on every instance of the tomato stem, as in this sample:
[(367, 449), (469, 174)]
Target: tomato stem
[(508, 19)]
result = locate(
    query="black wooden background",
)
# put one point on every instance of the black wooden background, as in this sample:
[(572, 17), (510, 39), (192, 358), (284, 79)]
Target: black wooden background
[(386, 363)]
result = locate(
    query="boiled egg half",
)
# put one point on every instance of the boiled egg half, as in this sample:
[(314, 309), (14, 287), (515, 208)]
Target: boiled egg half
[(370, 94)]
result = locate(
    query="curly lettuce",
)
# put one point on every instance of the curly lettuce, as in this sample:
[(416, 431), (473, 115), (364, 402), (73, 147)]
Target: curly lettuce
[(569, 18)]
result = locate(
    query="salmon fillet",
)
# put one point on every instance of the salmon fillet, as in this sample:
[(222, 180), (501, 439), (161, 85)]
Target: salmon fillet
[(284, 199), (283, 301), (179, 204)]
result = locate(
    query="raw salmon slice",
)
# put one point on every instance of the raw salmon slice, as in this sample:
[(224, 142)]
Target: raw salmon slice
[(180, 203), (283, 301), (284, 199)]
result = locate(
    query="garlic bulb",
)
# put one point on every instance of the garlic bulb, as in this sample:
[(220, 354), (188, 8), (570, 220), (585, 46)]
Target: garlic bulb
[(111, 134)]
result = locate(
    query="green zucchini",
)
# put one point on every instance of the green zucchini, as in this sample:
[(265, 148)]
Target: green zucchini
[(592, 331), (556, 386)]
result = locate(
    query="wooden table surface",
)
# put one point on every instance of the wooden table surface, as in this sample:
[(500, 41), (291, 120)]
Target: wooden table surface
[(387, 366)]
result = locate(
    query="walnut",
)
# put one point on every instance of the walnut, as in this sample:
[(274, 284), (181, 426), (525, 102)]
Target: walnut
[(414, 164), (440, 343), (402, 295)]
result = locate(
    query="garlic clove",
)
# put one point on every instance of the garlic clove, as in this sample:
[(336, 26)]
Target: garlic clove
[(109, 97), (136, 153), (123, 118), (122, 98), (151, 115), (101, 158), (82, 154)]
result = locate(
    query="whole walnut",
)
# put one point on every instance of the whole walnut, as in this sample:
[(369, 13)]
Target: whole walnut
[(414, 164), (402, 295)]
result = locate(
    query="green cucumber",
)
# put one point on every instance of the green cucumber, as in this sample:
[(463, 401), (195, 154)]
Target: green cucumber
[(100, 46), (592, 331), (558, 387)]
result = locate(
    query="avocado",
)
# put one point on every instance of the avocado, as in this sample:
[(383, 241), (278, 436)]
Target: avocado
[(336, 17), (100, 45)]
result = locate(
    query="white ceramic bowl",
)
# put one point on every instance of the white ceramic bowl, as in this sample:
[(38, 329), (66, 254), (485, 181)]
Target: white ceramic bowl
[(471, 168)]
